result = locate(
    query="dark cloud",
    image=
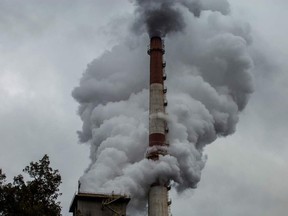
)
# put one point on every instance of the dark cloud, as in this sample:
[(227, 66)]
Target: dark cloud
[(164, 17)]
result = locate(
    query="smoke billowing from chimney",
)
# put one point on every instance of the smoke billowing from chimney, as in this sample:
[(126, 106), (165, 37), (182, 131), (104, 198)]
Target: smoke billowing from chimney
[(209, 82), (166, 16)]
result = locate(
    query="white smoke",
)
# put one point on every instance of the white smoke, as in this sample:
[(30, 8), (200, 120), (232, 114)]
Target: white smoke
[(209, 83)]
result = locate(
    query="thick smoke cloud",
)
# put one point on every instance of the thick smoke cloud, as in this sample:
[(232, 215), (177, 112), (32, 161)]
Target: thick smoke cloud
[(162, 17), (209, 83)]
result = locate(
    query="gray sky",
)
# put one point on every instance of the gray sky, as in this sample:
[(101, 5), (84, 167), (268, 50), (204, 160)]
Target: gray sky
[(46, 45)]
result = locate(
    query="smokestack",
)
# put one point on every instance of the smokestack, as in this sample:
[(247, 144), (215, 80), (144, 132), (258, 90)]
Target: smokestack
[(158, 193), (210, 88)]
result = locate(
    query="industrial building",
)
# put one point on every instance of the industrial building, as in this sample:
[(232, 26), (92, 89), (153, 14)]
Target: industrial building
[(87, 204)]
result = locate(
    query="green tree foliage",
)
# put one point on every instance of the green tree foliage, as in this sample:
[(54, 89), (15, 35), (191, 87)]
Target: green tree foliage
[(35, 197)]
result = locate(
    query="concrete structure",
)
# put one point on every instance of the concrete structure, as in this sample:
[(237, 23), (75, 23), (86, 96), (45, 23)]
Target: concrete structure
[(158, 195), (158, 204), (85, 204), (157, 101)]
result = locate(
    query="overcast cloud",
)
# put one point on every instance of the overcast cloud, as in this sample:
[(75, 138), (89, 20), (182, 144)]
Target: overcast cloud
[(46, 45)]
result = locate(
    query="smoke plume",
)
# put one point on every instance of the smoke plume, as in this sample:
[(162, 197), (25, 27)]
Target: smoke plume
[(209, 82), (162, 17)]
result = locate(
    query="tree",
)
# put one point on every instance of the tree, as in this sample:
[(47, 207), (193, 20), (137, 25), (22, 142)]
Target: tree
[(37, 196)]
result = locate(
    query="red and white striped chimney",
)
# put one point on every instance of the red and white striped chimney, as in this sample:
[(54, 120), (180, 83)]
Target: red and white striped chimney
[(158, 194)]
